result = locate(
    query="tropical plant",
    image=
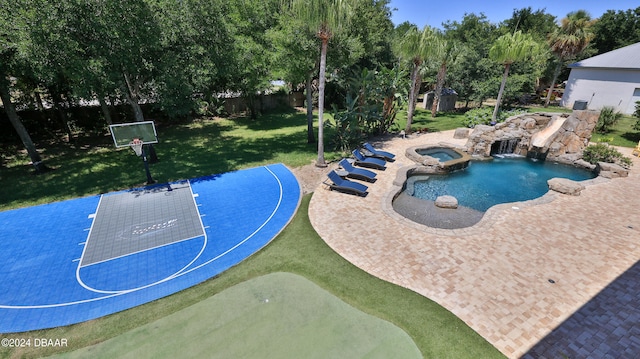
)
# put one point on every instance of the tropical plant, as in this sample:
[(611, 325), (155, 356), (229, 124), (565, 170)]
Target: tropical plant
[(415, 47), (568, 40), (607, 119), (506, 50), (347, 132), (324, 17), (376, 95)]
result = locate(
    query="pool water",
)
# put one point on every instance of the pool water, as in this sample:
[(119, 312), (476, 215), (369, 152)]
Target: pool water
[(443, 155), (487, 183)]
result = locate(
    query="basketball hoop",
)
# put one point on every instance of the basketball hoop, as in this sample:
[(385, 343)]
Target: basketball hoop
[(136, 145)]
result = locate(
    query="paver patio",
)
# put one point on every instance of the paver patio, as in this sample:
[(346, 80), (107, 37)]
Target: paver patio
[(496, 274)]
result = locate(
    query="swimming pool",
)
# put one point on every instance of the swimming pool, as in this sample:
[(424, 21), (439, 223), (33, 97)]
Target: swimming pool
[(502, 180)]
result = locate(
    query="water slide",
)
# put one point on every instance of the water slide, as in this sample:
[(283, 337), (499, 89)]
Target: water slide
[(541, 138)]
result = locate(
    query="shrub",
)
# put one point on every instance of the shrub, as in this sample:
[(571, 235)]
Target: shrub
[(636, 126), (602, 152), (603, 139), (608, 118)]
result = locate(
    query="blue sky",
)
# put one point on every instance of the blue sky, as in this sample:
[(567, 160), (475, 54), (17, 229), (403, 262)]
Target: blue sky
[(434, 13)]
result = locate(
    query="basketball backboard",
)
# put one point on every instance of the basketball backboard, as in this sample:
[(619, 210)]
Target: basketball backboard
[(124, 133)]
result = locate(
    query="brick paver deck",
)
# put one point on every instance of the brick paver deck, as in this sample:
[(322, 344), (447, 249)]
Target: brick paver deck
[(496, 275)]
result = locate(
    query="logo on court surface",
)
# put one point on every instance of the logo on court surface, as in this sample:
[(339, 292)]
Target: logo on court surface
[(140, 230)]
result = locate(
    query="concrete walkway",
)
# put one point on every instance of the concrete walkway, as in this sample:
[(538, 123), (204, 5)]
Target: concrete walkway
[(497, 275)]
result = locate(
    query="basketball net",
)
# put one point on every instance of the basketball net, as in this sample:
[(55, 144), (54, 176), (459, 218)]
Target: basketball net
[(136, 145)]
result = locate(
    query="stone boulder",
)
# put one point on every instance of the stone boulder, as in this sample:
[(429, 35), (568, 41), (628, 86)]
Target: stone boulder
[(528, 123), (566, 186), (611, 170), (430, 161), (584, 164), (447, 202), (460, 133)]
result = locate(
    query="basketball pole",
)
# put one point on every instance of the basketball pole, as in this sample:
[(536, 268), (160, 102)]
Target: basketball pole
[(146, 165)]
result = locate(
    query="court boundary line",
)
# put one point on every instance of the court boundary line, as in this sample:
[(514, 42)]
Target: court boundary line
[(113, 295), (123, 291)]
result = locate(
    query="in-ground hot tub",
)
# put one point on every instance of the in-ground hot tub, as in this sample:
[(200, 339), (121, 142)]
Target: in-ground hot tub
[(439, 158)]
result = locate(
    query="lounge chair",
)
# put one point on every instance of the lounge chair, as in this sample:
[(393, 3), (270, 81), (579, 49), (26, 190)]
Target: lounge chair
[(344, 185), (357, 173), (388, 156), (370, 162), (636, 151)]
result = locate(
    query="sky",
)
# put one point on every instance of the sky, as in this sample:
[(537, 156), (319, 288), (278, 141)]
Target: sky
[(434, 13)]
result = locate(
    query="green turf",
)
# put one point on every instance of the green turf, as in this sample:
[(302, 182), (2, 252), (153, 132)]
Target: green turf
[(279, 315)]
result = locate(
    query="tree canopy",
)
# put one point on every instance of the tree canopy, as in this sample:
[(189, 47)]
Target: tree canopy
[(616, 29), (180, 56)]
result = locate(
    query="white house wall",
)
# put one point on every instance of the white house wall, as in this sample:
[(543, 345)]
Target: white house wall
[(603, 87)]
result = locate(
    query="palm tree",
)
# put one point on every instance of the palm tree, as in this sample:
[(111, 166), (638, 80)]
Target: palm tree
[(568, 40), (416, 46), (324, 17), (444, 52), (507, 49)]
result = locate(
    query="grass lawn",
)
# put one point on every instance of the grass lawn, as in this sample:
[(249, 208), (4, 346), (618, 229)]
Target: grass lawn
[(188, 150), (622, 133), (214, 146), (422, 120)]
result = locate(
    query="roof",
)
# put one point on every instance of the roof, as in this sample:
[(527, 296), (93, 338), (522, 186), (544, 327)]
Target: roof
[(623, 58)]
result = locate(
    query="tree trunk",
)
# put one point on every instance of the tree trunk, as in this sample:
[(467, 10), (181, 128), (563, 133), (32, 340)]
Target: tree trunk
[(412, 96), (44, 114), (115, 116), (40, 106), (132, 95), (58, 105), (499, 99), (320, 162), (105, 110), (311, 138), (438, 92), (36, 160), (556, 72), (137, 110)]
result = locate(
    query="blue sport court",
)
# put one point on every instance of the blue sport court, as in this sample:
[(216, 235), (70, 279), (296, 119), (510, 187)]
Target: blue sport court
[(81, 259)]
